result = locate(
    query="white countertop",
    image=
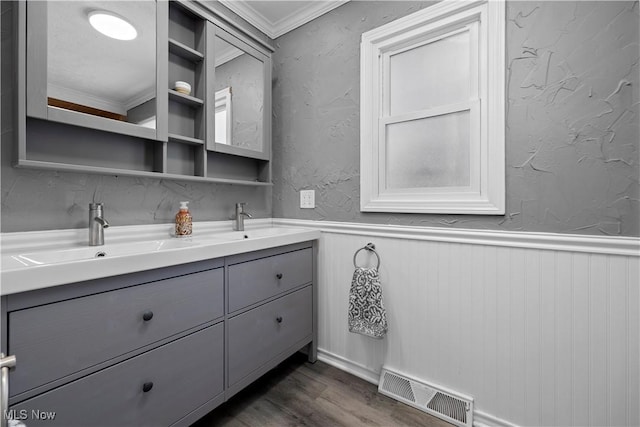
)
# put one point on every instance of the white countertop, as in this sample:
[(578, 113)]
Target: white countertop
[(41, 259)]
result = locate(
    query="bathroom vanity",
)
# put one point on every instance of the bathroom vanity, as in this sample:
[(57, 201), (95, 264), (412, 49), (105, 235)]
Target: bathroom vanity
[(162, 346)]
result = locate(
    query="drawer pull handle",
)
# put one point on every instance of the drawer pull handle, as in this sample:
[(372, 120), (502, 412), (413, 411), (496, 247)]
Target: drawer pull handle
[(147, 386), (147, 315), (279, 319), (279, 276)]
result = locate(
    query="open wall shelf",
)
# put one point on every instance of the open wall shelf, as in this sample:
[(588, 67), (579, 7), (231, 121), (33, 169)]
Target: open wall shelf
[(70, 167), (184, 51), (187, 112), (188, 100), (51, 142), (185, 139), (237, 168)]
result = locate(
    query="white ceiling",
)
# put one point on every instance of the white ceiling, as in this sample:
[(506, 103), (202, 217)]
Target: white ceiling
[(277, 17)]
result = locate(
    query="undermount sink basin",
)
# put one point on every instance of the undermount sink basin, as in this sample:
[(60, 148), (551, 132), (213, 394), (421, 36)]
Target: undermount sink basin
[(55, 256), (251, 234)]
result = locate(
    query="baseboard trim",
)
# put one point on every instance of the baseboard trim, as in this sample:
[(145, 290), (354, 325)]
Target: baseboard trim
[(480, 419), (346, 365), (607, 245)]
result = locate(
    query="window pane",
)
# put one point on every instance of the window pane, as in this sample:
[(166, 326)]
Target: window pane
[(431, 75), (430, 152)]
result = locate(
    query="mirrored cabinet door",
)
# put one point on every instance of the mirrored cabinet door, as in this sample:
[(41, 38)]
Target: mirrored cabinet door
[(241, 98), (95, 64)]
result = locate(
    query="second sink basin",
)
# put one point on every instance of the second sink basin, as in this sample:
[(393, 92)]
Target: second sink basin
[(251, 234)]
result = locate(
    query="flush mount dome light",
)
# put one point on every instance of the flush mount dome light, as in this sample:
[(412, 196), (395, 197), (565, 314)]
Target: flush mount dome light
[(112, 25)]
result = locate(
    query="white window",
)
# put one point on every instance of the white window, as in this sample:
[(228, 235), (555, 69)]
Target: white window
[(432, 111)]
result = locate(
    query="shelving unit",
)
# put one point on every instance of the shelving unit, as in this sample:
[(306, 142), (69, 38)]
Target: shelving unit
[(190, 147), (182, 146), (187, 113)]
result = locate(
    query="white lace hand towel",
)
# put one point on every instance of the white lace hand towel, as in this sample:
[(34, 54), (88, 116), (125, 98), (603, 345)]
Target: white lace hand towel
[(367, 315)]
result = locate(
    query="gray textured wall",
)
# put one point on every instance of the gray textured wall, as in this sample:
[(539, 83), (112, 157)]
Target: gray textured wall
[(572, 137), (39, 200), (572, 119)]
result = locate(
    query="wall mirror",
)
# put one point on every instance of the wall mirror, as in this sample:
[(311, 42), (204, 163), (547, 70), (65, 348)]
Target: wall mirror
[(94, 64), (239, 97)]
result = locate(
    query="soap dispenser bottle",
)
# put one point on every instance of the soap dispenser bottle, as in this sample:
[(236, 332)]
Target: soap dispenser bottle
[(184, 221)]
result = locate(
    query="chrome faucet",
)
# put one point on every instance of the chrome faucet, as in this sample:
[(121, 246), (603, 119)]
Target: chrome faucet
[(239, 217), (97, 224)]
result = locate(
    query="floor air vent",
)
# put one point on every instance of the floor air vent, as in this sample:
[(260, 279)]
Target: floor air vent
[(451, 407)]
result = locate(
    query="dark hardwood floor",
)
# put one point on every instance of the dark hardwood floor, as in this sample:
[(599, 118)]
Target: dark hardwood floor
[(298, 393)]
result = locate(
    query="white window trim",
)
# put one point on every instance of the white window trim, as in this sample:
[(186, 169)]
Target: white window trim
[(486, 194)]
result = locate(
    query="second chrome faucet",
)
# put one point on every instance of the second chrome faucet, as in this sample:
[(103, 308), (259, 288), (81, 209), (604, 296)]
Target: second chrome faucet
[(97, 224), (239, 217)]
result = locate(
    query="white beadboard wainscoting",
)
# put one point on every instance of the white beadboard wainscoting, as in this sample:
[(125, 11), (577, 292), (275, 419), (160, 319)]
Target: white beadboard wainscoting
[(540, 329)]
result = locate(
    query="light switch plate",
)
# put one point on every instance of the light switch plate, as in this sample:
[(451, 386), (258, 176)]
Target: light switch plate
[(307, 199)]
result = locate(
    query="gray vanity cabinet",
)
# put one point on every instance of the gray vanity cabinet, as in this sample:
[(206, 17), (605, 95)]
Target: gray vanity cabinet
[(271, 311), (160, 347), (153, 389), (139, 349), (81, 332), (259, 335), (257, 280)]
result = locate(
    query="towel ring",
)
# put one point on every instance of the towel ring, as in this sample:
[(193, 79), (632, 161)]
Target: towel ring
[(369, 247)]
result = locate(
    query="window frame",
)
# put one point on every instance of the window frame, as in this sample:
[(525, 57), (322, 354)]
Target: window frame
[(486, 193)]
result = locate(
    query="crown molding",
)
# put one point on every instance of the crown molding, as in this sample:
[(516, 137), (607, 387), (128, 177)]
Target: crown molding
[(285, 24)]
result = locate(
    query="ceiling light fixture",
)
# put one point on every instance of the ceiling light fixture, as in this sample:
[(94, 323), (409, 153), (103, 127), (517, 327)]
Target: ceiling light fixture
[(112, 25)]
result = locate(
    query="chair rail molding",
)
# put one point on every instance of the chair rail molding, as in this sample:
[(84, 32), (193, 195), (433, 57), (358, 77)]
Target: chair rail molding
[(607, 245)]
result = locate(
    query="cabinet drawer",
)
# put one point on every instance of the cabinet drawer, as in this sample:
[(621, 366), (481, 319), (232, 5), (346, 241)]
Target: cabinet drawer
[(253, 281), (256, 336), (55, 340), (185, 373)]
